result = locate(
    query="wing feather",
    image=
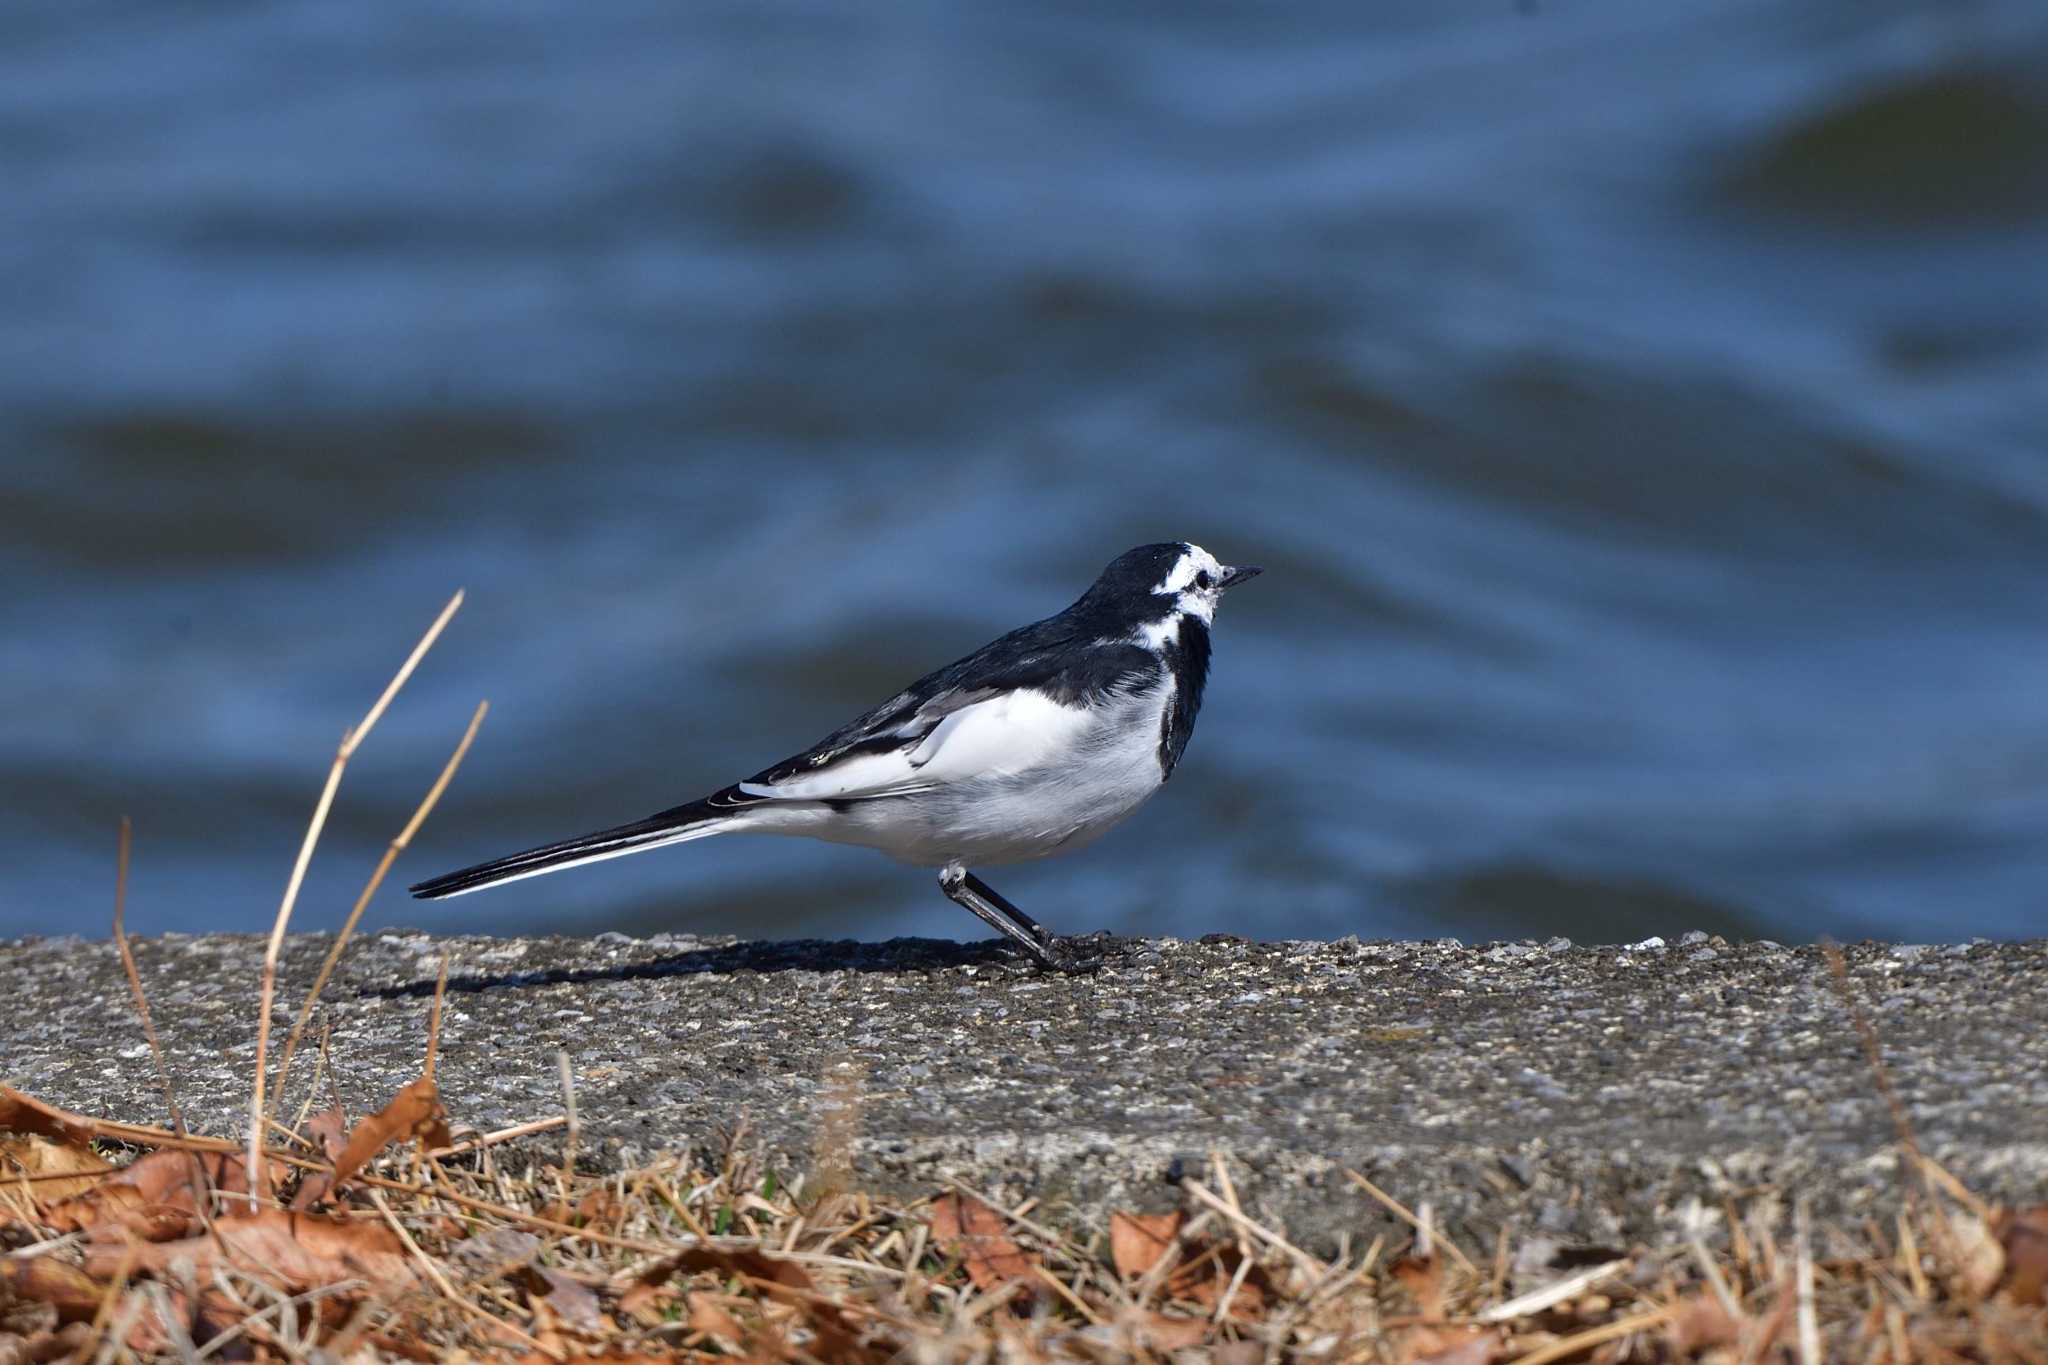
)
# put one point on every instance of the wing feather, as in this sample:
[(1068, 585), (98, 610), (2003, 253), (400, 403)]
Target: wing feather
[(996, 708)]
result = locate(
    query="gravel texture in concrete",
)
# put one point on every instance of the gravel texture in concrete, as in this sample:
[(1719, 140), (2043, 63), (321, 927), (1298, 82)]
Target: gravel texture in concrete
[(1582, 1093)]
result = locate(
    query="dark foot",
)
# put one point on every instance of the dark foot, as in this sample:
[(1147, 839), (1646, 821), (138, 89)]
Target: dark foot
[(1065, 956), (1046, 949)]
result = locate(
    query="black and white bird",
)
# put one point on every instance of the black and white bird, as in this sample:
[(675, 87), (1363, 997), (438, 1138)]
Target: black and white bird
[(1036, 743)]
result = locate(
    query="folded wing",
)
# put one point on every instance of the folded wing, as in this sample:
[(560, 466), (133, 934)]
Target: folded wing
[(991, 735)]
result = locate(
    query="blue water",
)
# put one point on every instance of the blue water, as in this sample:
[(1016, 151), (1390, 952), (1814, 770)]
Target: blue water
[(1641, 412)]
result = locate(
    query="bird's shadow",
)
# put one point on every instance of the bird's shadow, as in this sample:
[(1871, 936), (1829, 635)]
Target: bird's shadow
[(897, 955)]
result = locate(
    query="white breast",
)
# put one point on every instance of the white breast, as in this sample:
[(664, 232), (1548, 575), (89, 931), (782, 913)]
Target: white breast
[(1012, 778)]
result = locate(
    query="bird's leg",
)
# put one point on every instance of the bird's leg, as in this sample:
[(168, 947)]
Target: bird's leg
[(989, 894), (963, 888)]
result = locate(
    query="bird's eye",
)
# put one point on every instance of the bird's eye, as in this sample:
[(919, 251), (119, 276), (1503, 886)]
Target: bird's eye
[(1203, 581)]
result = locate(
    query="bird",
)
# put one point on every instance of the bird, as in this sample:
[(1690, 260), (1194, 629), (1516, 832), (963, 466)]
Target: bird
[(1037, 743)]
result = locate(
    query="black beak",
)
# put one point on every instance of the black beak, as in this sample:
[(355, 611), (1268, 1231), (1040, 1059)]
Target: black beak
[(1232, 577)]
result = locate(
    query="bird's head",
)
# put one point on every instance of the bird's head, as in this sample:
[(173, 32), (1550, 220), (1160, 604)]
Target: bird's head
[(1162, 583)]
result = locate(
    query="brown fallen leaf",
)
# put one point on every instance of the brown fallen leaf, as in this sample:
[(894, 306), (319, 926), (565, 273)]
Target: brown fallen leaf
[(785, 1281), (73, 1293), (74, 1340), (20, 1114), (1979, 1254), (601, 1210), (41, 1171), (1207, 1278), (493, 1254), (1423, 1277), (2024, 1235), (1699, 1322), (1159, 1332), (649, 1304), (1451, 1346), (406, 1349), (296, 1251), (155, 1197), (1138, 1240), (571, 1304), (328, 1131), (981, 1237), (708, 1317), (414, 1111)]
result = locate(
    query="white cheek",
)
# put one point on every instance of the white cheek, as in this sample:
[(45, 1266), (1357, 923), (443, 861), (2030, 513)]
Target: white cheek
[(1201, 605)]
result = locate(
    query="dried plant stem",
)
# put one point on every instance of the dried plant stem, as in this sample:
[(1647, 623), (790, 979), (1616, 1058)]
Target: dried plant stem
[(569, 1113), (398, 846), (1572, 1345), (350, 739), (1550, 1295), (1401, 1211), (1809, 1320), (517, 1130), (1243, 1225), (434, 1020), (156, 1048), (440, 1282)]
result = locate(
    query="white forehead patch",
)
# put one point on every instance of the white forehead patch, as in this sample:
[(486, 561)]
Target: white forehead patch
[(1192, 561)]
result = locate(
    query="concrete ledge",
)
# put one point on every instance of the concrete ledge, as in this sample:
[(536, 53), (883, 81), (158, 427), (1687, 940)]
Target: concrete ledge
[(1581, 1092)]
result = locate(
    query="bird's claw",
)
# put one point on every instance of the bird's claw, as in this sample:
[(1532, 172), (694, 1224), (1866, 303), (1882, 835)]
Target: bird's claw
[(1060, 955)]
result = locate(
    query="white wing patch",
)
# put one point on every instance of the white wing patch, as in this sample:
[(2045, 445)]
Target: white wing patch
[(1011, 732)]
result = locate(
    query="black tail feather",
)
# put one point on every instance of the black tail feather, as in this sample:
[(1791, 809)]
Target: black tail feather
[(668, 827)]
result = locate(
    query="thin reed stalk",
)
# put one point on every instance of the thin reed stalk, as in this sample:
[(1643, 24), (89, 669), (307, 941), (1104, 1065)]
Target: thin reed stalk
[(351, 739)]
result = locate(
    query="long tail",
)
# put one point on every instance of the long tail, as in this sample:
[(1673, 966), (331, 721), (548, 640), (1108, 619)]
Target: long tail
[(698, 820)]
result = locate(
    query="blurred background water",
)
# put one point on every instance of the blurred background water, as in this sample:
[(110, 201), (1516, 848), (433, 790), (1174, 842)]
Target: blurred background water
[(1641, 412)]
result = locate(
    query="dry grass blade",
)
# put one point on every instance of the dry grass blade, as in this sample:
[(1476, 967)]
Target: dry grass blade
[(1537, 1300), (569, 1118), (156, 1048), (472, 1142), (434, 1021), (369, 891), (1809, 1317), (1580, 1341), (1401, 1211), (439, 1279), (1244, 1224), (267, 992)]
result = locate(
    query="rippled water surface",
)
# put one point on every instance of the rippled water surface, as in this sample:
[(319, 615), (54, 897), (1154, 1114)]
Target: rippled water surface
[(1641, 412)]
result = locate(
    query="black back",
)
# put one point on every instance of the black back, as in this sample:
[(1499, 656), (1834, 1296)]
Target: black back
[(1074, 657)]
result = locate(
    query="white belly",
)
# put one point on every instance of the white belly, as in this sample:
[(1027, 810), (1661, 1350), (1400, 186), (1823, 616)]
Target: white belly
[(1066, 797)]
